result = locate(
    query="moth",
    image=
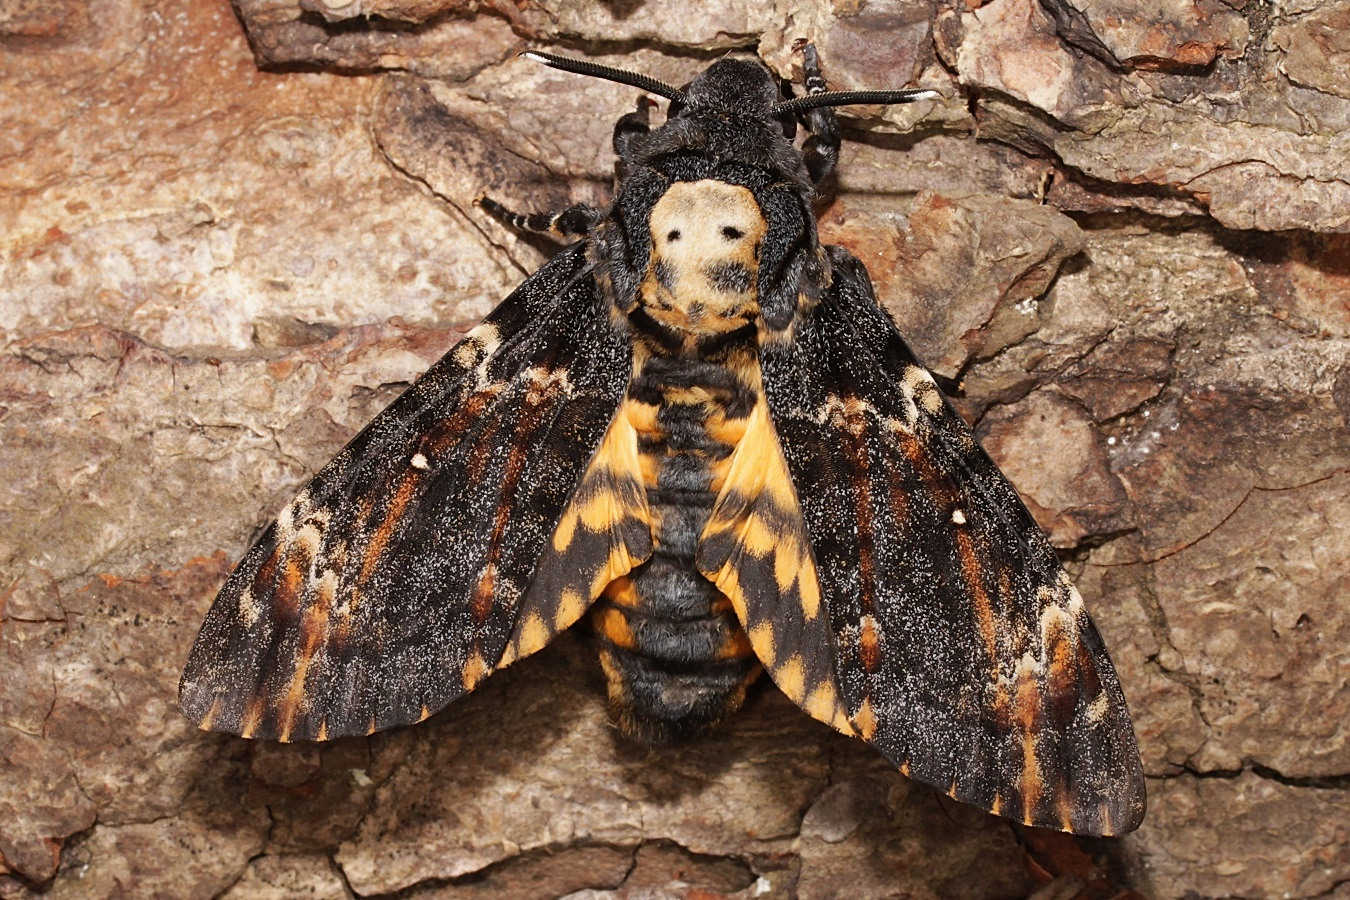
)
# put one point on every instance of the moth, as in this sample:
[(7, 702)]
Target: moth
[(695, 426)]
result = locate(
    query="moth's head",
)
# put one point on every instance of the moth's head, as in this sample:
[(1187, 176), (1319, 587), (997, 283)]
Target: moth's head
[(730, 86)]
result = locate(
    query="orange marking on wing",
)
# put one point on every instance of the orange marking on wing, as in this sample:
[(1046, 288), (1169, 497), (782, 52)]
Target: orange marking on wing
[(619, 562), (865, 723), (1002, 706), (1108, 827), (480, 602), (533, 634), (267, 573), (373, 553), (791, 678), (210, 717), (718, 469), (824, 706), (1028, 717), (763, 640), (1064, 807), (313, 629), (449, 432), (984, 610), (869, 645), (1061, 687), (570, 607), (850, 428), (474, 670), (286, 599), (253, 715)]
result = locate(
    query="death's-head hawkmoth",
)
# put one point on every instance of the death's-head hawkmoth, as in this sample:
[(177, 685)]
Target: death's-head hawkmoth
[(697, 425)]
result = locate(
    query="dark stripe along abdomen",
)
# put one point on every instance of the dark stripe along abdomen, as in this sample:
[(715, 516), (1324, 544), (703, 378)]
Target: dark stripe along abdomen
[(675, 656)]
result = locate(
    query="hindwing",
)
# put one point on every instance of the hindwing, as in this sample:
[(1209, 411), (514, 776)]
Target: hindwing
[(396, 579), (960, 648), (756, 550)]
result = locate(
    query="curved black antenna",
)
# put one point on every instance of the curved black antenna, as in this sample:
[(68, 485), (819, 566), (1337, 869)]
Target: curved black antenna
[(849, 98), (609, 73)]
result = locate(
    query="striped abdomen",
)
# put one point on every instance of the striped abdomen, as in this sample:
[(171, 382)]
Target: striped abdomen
[(675, 655)]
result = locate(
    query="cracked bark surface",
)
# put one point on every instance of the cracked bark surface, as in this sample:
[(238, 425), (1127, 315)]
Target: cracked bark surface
[(230, 236)]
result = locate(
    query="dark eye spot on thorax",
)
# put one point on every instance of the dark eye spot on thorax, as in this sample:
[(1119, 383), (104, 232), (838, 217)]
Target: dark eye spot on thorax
[(732, 233), (673, 235)]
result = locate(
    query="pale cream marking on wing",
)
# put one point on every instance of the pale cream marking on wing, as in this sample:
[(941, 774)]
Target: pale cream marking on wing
[(544, 383), (326, 584), (1075, 599), (307, 538), (480, 343), (286, 521), (849, 415), (419, 461), (1098, 709), (924, 388), (249, 608), (1052, 617)]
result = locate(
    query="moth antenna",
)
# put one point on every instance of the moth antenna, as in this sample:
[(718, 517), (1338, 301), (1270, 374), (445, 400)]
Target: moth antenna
[(609, 73), (849, 98)]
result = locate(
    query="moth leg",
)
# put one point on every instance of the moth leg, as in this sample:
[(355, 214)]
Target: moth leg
[(821, 150), (631, 126), (574, 222)]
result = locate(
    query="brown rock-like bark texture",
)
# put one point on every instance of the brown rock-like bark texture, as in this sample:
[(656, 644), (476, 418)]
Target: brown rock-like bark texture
[(231, 234)]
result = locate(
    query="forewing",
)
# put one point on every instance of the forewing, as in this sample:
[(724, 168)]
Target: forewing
[(393, 582), (962, 651)]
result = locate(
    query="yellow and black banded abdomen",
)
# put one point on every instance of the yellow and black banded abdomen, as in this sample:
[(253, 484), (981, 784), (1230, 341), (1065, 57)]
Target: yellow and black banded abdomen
[(675, 656)]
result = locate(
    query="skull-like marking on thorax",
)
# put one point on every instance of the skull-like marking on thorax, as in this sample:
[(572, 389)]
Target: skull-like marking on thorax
[(703, 276)]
